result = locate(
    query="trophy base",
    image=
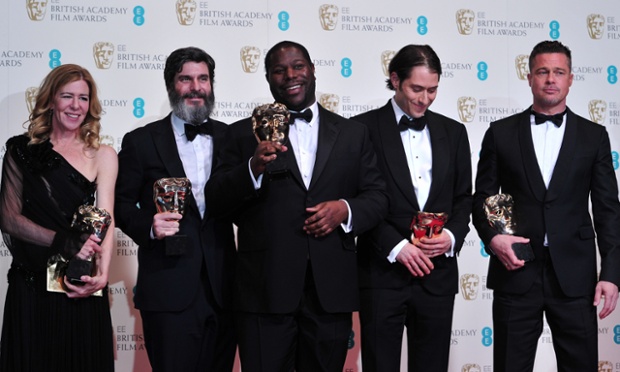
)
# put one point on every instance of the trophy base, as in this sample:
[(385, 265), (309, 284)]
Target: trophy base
[(77, 268), (277, 169), (175, 245), (523, 251)]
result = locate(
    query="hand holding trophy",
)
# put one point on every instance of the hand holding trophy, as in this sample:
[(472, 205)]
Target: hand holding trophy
[(92, 220), (169, 195), (270, 122), (499, 211)]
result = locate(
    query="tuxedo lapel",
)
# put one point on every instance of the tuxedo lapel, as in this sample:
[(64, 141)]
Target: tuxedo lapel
[(528, 156), (395, 157), (440, 151), (328, 133), (563, 164)]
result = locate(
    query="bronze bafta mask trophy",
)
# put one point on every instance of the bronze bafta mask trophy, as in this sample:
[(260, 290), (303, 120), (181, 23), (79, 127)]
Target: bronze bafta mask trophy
[(169, 195), (427, 224), (270, 122), (91, 220), (499, 211)]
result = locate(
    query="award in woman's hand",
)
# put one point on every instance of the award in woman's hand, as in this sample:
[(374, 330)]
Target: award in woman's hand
[(270, 122), (427, 224), (91, 220), (499, 211), (169, 195)]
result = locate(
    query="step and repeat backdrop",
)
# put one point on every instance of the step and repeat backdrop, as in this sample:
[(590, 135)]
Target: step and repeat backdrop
[(483, 46)]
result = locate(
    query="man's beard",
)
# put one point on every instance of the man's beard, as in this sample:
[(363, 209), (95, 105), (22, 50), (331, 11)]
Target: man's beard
[(190, 113)]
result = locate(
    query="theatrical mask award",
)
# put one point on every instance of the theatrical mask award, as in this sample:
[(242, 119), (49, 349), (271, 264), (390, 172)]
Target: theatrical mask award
[(427, 224), (499, 211), (91, 220), (169, 195), (270, 122)]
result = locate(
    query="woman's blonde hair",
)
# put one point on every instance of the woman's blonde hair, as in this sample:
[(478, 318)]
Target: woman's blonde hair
[(40, 120)]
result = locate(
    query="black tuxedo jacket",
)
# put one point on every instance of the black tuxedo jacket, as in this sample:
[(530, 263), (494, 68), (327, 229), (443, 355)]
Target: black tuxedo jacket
[(450, 192), (583, 171), (170, 283), (273, 250)]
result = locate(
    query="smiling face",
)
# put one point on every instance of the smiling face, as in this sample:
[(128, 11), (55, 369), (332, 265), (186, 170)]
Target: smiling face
[(415, 94), (192, 98), (550, 79), (291, 78), (70, 106)]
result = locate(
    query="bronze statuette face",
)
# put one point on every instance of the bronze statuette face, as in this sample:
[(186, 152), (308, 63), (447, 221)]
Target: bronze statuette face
[(500, 213), (169, 194), (270, 122), (428, 224)]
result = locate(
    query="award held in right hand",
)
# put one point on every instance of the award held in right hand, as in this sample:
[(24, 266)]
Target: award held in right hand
[(499, 211), (270, 122), (169, 195)]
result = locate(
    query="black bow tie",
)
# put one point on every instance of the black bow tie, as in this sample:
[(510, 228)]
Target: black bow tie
[(305, 115), (556, 119), (191, 131), (417, 124)]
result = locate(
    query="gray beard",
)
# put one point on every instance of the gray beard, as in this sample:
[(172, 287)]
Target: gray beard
[(191, 114)]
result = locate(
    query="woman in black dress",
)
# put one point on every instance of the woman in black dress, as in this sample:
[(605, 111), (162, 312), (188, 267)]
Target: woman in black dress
[(47, 174)]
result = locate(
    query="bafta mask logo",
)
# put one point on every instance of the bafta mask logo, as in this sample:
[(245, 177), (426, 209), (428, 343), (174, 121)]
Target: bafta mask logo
[(469, 286), (605, 366), (466, 107), (36, 9), (522, 65), (471, 367), (186, 12), (465, 21), (386, 58), (330, 102), (596, 26), (250, 58), (597, 109), (31, 98), (103, 53), (328, 14)]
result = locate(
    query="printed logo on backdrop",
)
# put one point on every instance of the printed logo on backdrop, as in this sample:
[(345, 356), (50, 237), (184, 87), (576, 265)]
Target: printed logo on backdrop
[(596, 26), (103, 53), (597, 109), (186, 12), (386, 58), (230, 111), (18, 58), (469, 22), (605, 366), (349, 107), (352, 21), (583, 73), (328, 15), (36, 9), (451, 69), (4, 251), (463, 336), (330, 102), (522, 65), (465, 19), (466, 107), (488, 112), (212, 16), (469, 286), (471, 367), (250, 59), (612, 74), (125, 247), (31, 98), (617, 327)]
